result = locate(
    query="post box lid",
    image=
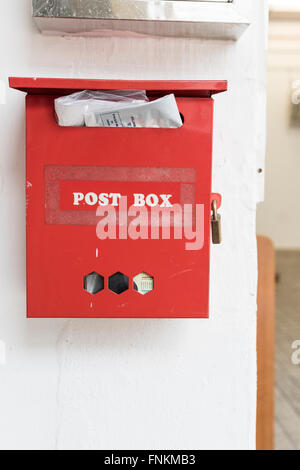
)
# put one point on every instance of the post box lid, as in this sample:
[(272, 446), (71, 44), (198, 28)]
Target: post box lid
[(195, 88)]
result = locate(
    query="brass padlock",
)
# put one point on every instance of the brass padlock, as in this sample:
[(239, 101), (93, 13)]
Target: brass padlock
[(215, 224)]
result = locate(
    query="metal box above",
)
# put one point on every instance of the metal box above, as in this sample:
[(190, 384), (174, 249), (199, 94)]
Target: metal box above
[(214, 19)]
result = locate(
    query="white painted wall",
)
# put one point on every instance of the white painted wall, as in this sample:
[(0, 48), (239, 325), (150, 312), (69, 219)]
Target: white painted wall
[(277, 217), (129, 384)]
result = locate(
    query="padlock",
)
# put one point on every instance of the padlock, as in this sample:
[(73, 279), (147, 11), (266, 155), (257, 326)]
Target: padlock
[(216, 224)]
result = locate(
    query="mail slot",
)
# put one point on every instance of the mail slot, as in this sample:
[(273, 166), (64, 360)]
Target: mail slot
[(118, 219)]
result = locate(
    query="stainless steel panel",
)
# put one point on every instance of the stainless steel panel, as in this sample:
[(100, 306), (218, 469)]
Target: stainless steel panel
[(198, 18), (126, 9)]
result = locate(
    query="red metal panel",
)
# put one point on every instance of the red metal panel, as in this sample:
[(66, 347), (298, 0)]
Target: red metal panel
[(199, 88), (62, 245)]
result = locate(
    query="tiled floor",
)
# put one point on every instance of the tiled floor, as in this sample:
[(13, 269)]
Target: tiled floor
[(287, 390)]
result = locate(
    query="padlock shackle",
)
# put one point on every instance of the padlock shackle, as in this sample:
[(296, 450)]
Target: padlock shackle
[(216, 197)]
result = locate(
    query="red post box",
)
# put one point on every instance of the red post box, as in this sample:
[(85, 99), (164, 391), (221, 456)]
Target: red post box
[(146, 259)]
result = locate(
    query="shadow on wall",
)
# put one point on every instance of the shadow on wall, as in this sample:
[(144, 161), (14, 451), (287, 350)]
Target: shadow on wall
[(12, 188), (102, 334)]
